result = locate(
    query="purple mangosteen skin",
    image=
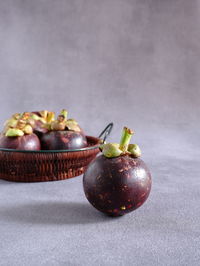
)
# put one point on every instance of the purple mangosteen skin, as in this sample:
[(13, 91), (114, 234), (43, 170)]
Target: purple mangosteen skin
[(36, 113), (27, 142), (63, 140), (116, 186), (39, 129)]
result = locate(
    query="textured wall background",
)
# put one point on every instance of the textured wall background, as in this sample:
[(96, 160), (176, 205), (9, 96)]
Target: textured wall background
[(133, 62)]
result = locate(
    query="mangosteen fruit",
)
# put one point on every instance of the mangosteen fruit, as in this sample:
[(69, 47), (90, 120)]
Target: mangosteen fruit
[(19, 135), (63, 134), (39, 119), (118, 181)]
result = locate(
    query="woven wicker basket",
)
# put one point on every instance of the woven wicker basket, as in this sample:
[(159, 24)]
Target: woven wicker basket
[(38, 166)]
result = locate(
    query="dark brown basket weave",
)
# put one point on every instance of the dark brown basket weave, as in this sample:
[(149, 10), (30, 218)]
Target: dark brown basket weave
[(39, 166), (46, 166)]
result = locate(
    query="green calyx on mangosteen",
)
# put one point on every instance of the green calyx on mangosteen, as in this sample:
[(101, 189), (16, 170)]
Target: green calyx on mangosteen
[(18, 129), (112, 150), (62, 123), (14, 132)]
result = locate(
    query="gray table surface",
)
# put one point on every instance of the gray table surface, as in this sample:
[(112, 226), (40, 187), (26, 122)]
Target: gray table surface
[(53, 224), (133, 62)]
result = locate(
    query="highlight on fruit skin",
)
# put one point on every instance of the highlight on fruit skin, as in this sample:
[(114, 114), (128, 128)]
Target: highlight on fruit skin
[(63, 140), (26, 142)]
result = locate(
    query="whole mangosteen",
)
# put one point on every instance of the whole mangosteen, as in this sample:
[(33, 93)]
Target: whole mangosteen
[(63, 134), (18, 134), (118, 181)]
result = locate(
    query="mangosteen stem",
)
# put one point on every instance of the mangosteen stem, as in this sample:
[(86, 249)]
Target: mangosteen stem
[(64, 113), (125, 138)]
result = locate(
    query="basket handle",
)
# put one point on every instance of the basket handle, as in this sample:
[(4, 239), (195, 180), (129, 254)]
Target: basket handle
[(106, 132)]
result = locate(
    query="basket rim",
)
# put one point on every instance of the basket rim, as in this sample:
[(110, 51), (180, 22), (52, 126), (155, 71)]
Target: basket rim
[(95, 146)]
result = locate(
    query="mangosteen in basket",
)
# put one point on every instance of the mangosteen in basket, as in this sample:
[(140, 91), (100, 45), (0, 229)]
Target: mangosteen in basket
[(118, 181), (39, 119), (18, 134), (63, 134)]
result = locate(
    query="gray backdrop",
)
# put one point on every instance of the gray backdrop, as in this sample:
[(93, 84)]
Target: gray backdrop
[(133, 62)]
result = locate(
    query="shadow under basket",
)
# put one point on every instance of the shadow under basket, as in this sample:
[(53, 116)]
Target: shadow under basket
[(43, 165)]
